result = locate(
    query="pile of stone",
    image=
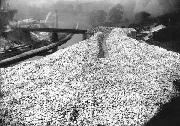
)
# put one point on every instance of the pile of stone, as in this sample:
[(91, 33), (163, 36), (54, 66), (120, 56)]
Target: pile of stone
[(74, 87)]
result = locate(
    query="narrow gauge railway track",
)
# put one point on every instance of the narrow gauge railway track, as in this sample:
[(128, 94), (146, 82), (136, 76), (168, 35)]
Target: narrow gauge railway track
[(102, 47), (20, 53), (22, 56)]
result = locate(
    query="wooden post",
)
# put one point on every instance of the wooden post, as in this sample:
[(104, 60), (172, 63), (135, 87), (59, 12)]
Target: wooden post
[(101, 53), (0, 4), (85, 36), (54, 40)]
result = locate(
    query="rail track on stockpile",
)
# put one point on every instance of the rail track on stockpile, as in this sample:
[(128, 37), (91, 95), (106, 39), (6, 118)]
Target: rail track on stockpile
[(49, 43), (44, 41)]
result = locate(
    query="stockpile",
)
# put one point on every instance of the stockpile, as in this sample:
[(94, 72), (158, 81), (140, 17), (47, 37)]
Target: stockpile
[(74, 87)]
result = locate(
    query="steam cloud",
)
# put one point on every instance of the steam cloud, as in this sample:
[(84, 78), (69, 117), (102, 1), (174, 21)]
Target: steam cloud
[(154, 7)]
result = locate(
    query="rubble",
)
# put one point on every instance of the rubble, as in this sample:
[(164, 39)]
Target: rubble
[(157, 28), (170, 33), (74, 87)]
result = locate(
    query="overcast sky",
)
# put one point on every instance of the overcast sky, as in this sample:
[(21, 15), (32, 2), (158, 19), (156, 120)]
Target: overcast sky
[(152, 6), (40, 2)]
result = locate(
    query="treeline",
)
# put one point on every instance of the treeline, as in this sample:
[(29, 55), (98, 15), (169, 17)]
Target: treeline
[(64, 7), (70, 12), (116, 16), (101, 17), (93, 13)]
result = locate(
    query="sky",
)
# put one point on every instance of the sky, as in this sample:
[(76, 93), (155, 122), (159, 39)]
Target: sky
[(152, 6), (49, 2), (34, 2), (40, 2)]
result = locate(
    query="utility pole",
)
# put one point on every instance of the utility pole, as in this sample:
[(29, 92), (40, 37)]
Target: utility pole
[(55, 34), (0, 4), (56, 19), (4, 4)]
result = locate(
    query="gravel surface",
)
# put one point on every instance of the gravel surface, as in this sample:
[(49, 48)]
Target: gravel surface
[(74, 87)]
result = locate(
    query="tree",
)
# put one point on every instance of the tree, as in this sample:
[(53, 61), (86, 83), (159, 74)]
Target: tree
[(97, 17), (116, 14), (145, 2), (79, 8), (142, 16)]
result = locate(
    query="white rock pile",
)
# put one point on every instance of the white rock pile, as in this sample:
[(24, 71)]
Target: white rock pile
[(73, 87)]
